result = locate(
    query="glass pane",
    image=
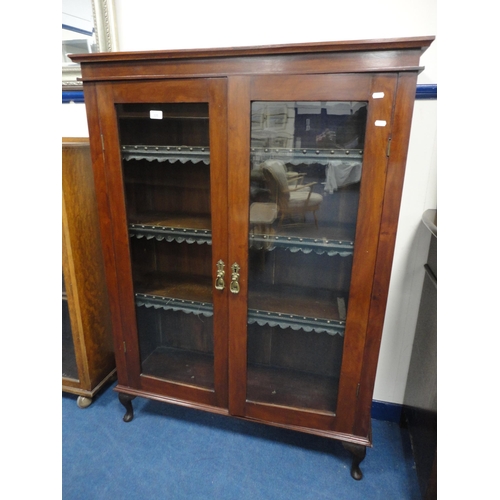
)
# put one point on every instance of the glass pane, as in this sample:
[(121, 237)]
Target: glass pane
[(69, 368), (166, 171), (306, 162)]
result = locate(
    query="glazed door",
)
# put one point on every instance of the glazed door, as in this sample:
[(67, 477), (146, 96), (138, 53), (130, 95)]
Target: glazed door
[(314, 160), (165, 162)]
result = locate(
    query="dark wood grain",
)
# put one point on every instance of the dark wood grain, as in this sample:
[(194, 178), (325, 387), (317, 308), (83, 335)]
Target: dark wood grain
[(238, 199), (367, 233), (403, 109), (105, 226), (302, 48), (326, 393)]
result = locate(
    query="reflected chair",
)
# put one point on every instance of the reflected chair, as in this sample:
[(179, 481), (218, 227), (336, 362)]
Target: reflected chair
[(292, 200)]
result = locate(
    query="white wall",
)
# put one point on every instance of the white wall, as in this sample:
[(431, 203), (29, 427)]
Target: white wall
[(412, 246), (223, 23), (74, 120), (155, 24)]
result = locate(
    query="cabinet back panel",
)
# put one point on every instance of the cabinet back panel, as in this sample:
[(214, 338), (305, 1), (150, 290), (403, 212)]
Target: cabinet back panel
[(152, 256), (282, 267), (181, 125), (166, 188), (287, 348), (160, 328)]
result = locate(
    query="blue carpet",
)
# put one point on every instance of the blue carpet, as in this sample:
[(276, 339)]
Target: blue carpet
[(170, 452)]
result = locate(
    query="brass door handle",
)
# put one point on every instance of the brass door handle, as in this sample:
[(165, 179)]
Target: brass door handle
[(235, 276), (219, 279)]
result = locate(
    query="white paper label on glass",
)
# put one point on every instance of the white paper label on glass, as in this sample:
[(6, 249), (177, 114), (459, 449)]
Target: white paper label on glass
[(380, 123), (156, 114)]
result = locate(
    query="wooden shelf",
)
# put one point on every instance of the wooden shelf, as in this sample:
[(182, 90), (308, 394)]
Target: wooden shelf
[(181, 366), (285, 387), (167, 221), (296, 307), (287, 307), (175, 293), (319, 245), (271, 385), (189, 229), (197, 229)]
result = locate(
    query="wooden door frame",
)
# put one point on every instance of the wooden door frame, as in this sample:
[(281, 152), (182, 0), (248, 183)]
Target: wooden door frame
[(113, 223), (242, 91)]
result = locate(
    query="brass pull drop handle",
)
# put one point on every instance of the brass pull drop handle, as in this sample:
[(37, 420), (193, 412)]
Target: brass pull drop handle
[(235, 276), (219, 279)]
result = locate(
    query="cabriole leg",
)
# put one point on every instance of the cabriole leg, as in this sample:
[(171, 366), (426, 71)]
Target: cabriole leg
[(358, 453), (126, 400)]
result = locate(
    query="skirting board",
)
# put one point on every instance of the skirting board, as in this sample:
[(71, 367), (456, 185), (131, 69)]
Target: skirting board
[(382, 410)]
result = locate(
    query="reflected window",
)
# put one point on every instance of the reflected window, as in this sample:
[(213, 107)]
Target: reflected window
[(78, 33)]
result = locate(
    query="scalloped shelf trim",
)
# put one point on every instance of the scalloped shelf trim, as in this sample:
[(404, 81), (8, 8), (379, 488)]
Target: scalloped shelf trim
[(317, 325), (172, 304), (171, 154), (184, 154), (298, 156), (260, 241), (262, 318), (171, 234), (306, 245)]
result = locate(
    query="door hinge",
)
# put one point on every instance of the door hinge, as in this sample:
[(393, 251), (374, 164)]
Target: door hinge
[(388, 151), (357, 390), (124, 347)]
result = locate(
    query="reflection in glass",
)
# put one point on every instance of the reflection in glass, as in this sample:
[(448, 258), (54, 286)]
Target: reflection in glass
[(306, 164), (166, 171), (78, 33)]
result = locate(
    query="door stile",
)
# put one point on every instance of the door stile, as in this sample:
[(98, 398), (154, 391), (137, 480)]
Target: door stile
[(128, 347), (394, 187), (95, 97), (367, 230), (238, 175), (219, 207)]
